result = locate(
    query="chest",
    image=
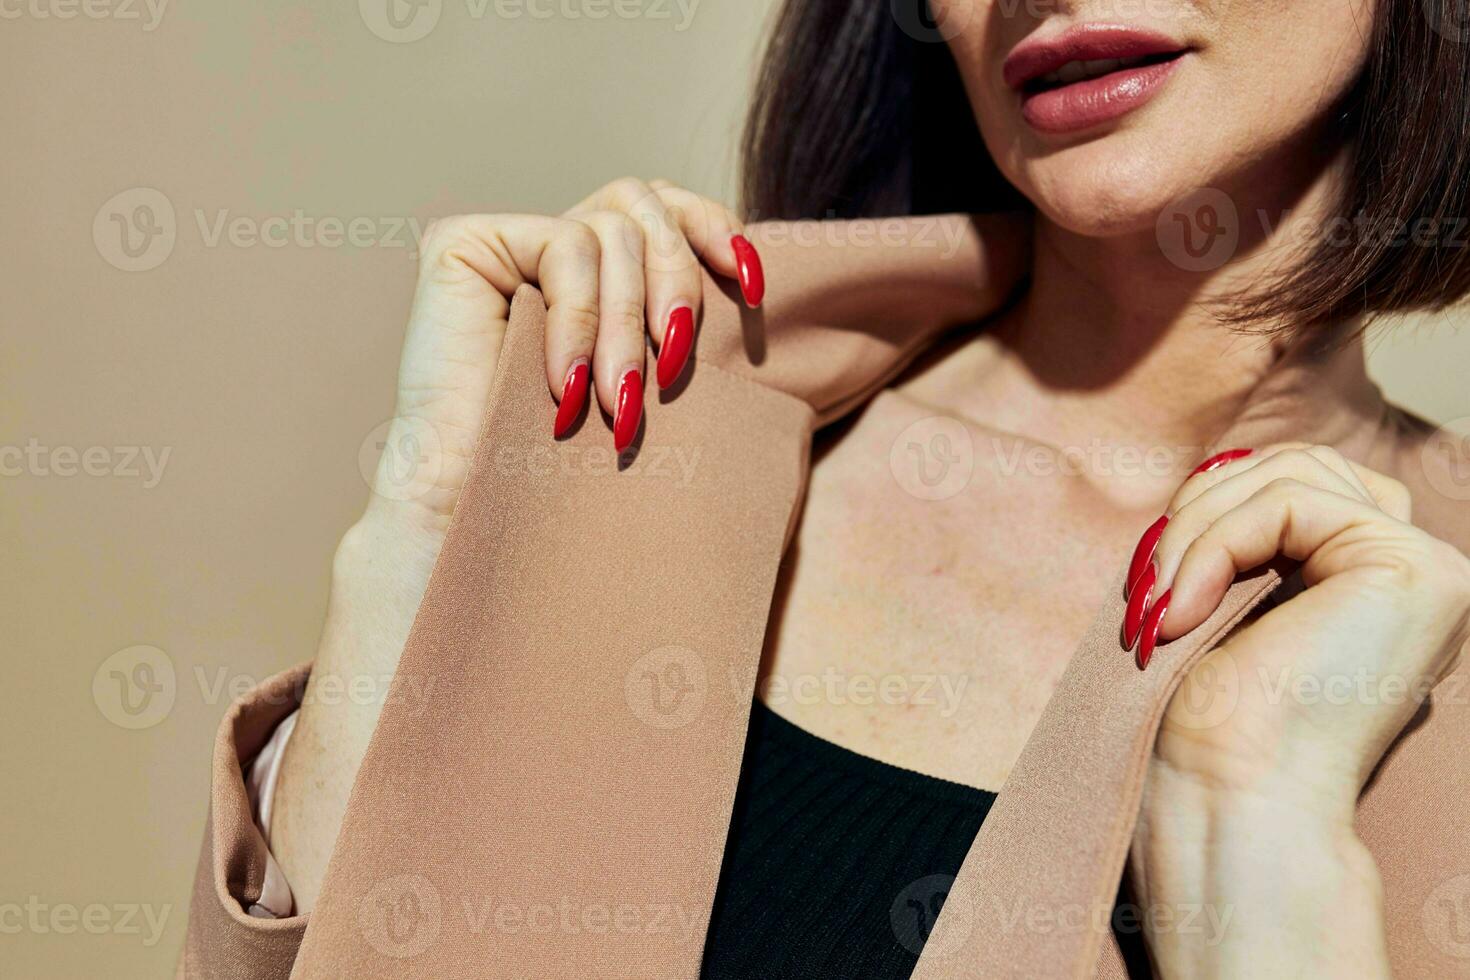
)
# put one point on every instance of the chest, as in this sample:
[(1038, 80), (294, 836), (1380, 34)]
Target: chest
[(939, 581)]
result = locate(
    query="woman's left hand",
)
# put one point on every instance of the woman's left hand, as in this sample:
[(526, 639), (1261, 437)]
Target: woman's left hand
[(1249, 800)]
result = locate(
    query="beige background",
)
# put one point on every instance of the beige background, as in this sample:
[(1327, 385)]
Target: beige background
[(262, 370)]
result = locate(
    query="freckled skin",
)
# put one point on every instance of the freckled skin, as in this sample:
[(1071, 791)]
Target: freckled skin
[(882, 584)]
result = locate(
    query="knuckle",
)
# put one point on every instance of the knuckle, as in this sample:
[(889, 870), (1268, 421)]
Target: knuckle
[(446, 226), (627, 191), (607, 220), (1327, 455), (1457, 570), (578, 240), (1280, 489), (1193, 487), (577, 322), (1298, 458), (624, 316), (442, 234), (1398, 571), (1396, 497), (619, 230)]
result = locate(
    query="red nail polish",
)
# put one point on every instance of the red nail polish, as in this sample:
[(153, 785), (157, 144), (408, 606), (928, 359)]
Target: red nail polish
[(629, 409), (674, 352), (1144, 553), (1220, 459), (573, 397), (1151, 624), (1143, 590), (752, 274)]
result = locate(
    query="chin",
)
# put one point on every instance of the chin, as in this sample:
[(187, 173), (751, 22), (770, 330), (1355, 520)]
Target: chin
[(1107, 188)]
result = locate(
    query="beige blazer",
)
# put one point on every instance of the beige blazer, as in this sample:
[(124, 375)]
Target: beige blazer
[(574, 769)]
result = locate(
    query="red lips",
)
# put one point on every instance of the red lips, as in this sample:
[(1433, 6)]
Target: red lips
[(1101, 92)]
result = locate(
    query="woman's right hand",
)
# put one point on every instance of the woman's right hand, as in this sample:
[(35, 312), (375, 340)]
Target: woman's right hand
[(623, 261)]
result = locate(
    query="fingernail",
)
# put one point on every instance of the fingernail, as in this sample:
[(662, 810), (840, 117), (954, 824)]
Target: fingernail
[(674, 352), (573, 397), (1220, 459), (1137, 604), (629, 409), (1144, 553), (1151, 624), (752, 274)]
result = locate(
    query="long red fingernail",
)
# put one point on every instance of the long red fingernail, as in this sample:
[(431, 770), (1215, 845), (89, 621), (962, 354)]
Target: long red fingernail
[(573, 397), (1137, 604), (1220, 459), (629, 409), (674, 352), (1144, 553), (752, 274), (1151, 624)]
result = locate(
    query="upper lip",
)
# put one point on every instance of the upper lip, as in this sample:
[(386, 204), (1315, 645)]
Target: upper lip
[(1037, 56)]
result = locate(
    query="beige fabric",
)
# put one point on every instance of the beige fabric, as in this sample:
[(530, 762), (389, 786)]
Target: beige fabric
[(223, 941), (559, 806)]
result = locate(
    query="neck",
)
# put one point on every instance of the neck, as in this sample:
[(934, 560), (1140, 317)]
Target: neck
[(1117, 328)]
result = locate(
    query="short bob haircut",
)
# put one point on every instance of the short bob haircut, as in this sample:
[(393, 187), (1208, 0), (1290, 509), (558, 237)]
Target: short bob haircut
[(860, 112)]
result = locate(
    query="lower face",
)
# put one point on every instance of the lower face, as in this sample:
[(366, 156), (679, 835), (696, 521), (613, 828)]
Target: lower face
[(1102, 113)]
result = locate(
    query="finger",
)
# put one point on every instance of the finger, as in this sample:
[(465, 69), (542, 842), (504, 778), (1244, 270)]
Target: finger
[(1196, 515), (1238, 461), (1206, 496), (507, 251), (1285, 517), (618, 357), (708, 225), (1227, 468), (569, 275), (1388, 494), (710, 230), (671, 268)]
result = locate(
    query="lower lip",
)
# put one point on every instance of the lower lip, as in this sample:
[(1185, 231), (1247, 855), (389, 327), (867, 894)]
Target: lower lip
[(1083, 105)]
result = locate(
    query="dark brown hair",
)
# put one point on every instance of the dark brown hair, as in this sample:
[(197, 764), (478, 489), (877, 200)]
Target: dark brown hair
[(860, 111)]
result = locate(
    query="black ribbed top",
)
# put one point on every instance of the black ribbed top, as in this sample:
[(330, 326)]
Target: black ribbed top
[(836, 865)]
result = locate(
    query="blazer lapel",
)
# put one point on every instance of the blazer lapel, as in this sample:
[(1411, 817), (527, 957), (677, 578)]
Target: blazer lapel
[(1035, 895), (590, 635)]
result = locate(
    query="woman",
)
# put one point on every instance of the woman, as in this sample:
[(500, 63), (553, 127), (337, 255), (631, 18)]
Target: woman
[(551, 789)]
